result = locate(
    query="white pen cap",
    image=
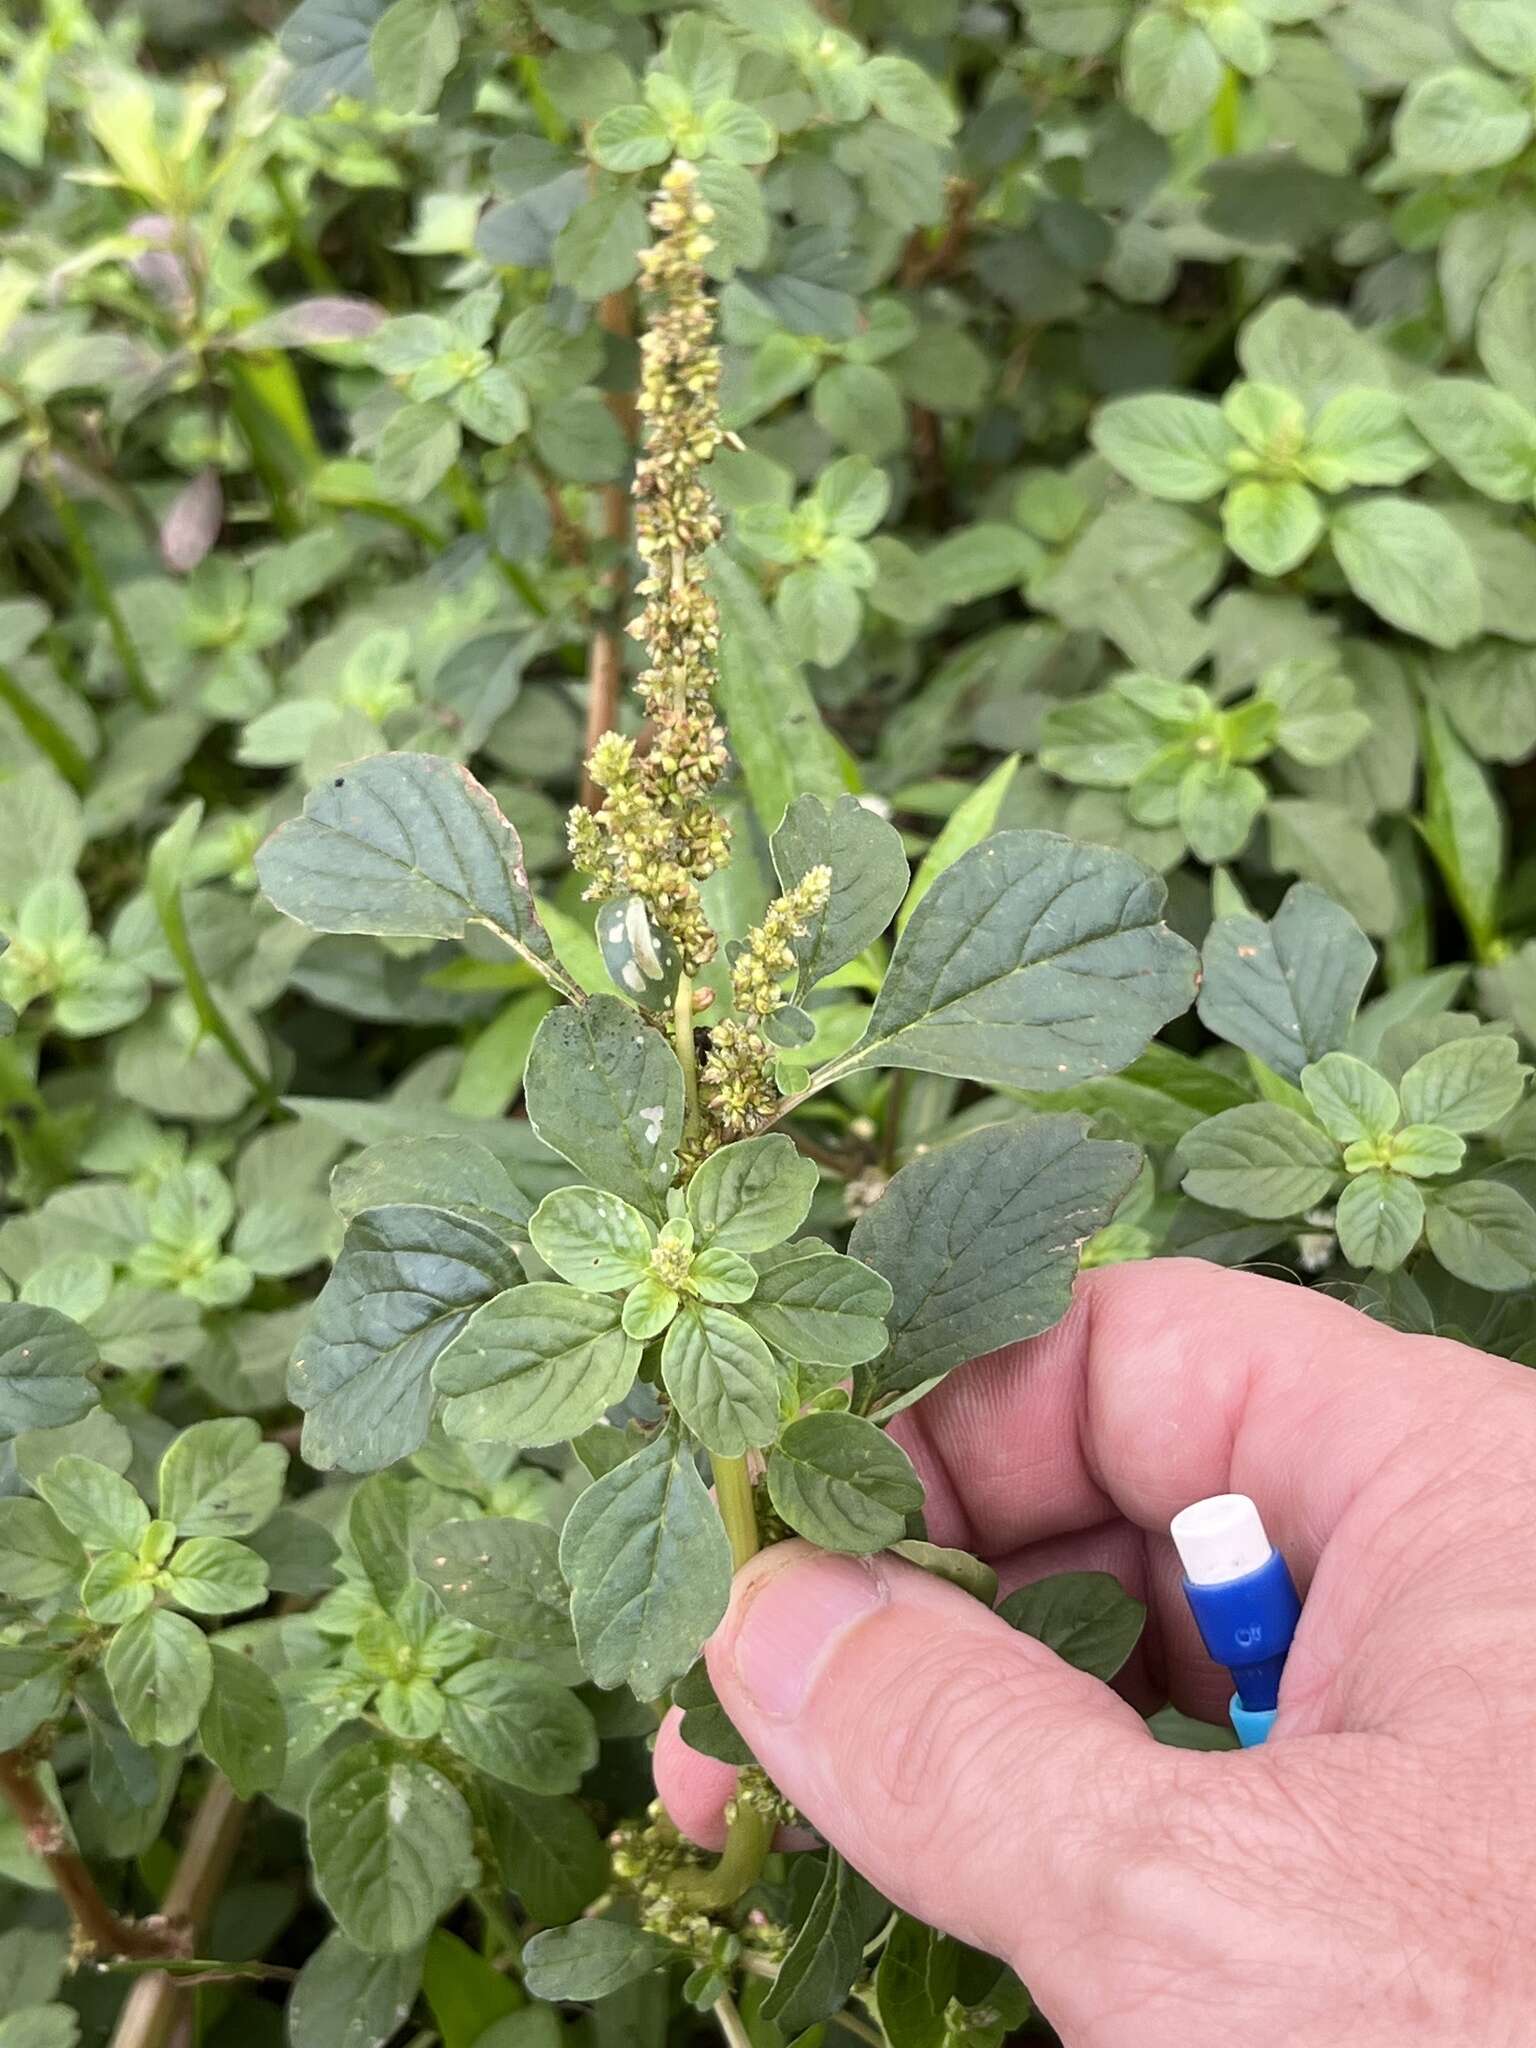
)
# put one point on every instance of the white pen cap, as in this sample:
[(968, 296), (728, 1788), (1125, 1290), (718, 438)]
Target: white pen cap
[(1220, 1539)]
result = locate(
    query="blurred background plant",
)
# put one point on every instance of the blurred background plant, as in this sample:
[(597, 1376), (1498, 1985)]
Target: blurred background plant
[(1131, 433)]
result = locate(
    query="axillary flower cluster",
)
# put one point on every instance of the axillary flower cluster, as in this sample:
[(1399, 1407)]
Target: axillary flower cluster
[(656, 835)]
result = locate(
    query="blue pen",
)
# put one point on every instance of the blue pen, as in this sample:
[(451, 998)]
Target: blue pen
[(1244, 1601)]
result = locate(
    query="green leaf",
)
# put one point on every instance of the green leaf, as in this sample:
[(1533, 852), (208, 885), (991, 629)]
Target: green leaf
[(391, 1845), (160, 1671), (1349, 1099), (607, 1094), (41, 2026), (1459, 121), (1166, 444), (593, 1240), (1319, 720), (591, 1958), (549, 1851), (819, 1307), (346, 1998), (33, 1688), (1286, 991), (1484, 1233), (467, 1996), (1468, 1084), (414, 46), (1361, 437), (517, 1723), (705, 1726), (1425, 1150), (45, 1366), (966, 826), (32, 1964), (503, 1577), (1378, 1218), (1218, 803), (378, 1528), (777, 736), (405, 846), (213, 1575), (906, 94), (648, 1308), (38, 1555), (94, 1503), (326, 42), (869, 880), (117, 1587), (417, 448), (536, 1365), (1488, 438), (820, 614), (1503, 330), (750, 1196), (220, 1478), (595, 251), (402, 1290), (980, 561), (827, 1953), (738, 133), (1087, 1618), (843, 1483), (915, 1986), (1032, 963), (1273, 527), (1103, 740), (1172, 71), (956, 1567), (1409, 564), (649, 1568), (242, 1729), (1260, 1160), (722, 1380), (859, 406), (1502, 32), (434, 1172), (1463, 826), (980, 1240), (629, 139)]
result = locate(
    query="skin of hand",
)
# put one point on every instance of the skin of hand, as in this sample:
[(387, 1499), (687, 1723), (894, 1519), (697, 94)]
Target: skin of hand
[(1364, 1880)]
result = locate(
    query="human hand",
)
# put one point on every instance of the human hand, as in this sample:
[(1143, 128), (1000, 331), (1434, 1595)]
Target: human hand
[(1366, 1878)]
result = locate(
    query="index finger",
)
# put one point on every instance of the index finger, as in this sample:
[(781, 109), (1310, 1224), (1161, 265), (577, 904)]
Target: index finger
[(1174, 1379)]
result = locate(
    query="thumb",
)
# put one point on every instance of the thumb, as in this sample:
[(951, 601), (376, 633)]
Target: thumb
[(977, 1780)]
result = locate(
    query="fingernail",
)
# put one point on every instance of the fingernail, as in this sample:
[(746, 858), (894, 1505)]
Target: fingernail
[(791, 1619)]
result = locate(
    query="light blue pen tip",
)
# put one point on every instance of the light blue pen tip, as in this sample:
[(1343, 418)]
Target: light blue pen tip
[(1244, 1601)]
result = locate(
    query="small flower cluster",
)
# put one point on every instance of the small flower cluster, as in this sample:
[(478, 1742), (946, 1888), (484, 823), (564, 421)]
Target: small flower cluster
[(656, 834), (647, 1855), (738, 1072)]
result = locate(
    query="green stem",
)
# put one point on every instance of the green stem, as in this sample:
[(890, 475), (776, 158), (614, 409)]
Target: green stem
[(733, 1497), (314, 266), (687, 1059), (522, 583), (247, 411), (471, 509), (747, 1841), (165, 889), (398, 515), (730, 2022), (545, 111), (1225, 115), (44, 731), (94, 578)]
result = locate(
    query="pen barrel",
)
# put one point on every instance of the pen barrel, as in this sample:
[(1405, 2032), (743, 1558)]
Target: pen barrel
[(1247, 1624)]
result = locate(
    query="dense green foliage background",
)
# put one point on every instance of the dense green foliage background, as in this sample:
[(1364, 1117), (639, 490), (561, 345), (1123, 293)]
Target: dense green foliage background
[(1132, 435)]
